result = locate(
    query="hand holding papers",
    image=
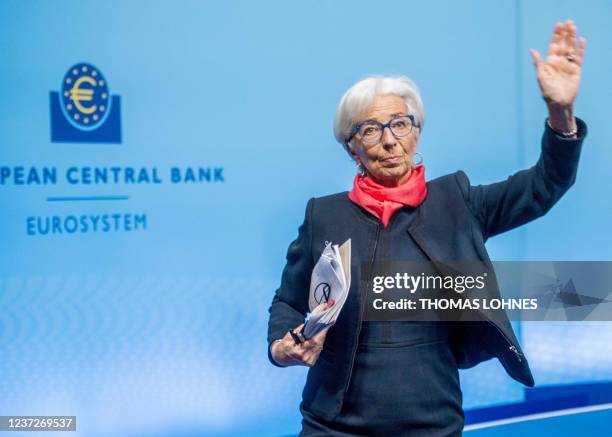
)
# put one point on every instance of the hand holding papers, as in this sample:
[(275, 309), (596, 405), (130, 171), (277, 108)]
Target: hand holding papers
[(329, 286)]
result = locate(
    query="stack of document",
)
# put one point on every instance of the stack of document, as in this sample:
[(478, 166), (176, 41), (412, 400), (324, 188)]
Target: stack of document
[(329, 287)]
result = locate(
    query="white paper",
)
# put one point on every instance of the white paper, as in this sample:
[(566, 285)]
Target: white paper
[(329, 285)]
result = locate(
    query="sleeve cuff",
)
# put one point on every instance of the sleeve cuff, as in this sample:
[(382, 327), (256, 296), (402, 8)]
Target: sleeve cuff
[(580, 134)]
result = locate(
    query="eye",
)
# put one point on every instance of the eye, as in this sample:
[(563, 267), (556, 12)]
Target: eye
[(369, 131)]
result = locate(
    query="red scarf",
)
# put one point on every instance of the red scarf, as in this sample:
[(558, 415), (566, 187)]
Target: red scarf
[(383, 201)]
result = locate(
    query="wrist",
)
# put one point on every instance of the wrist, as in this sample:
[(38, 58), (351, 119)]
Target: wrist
[(563, 133), (274, 350), (561, 119)]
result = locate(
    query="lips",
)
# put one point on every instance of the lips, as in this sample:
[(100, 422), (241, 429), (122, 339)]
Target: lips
[(392, 160)]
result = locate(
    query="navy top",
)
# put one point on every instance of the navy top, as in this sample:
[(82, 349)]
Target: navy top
[(405, 379)]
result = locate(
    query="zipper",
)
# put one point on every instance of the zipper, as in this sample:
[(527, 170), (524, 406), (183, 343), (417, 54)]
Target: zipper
[(516, 352), (512, 347), (361, 309)]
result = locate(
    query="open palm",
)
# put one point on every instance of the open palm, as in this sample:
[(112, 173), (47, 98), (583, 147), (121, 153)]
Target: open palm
[(559, 75)]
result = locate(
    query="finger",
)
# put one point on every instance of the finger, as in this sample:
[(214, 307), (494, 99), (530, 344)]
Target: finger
[(564, 46), (580, 51), (315, 349), (308, 360), (298, 356), (313, 358), (311, 345), (320, 336), (297, 329), (555, 41), (564, 37), (297, 334), (537, 59), (571, 35)]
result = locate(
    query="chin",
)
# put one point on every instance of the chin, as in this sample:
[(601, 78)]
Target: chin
[(396, 172)]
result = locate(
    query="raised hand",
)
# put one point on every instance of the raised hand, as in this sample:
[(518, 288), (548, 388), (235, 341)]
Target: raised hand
[(559, 75)]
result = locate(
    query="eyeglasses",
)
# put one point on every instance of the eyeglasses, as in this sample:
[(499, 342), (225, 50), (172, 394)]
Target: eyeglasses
[(371, 131)]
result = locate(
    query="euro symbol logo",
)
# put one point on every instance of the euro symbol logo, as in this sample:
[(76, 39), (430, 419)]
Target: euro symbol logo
[(85, 98), (78, 94), (322, 292)]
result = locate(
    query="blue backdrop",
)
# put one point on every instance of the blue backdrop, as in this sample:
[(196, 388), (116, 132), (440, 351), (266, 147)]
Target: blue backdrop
[(140, 304)]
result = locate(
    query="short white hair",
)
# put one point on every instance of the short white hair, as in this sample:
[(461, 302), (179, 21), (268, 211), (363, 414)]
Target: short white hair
[(356, 101)]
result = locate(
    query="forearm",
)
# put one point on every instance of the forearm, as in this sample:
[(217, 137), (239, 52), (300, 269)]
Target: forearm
[(560, 156), (527, 194), (282, 318), (290, 303)]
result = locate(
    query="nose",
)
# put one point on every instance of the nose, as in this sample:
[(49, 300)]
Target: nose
[(388, 140)]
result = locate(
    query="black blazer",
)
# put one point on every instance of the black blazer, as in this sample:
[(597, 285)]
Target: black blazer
[(452, 224)]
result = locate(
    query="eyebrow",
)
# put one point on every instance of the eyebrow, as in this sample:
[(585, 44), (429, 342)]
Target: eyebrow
[(373, 119)]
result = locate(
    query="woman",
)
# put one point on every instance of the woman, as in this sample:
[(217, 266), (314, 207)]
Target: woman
[(401, 378)]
